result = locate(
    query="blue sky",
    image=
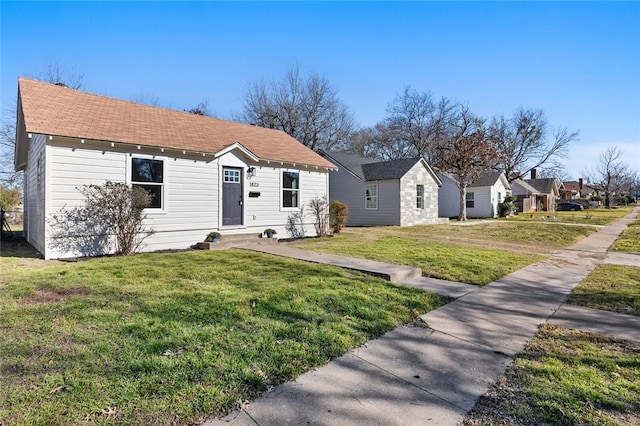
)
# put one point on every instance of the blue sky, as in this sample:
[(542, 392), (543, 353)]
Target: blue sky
[(578, 61)]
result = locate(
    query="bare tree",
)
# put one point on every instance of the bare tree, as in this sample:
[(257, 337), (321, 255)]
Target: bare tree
[(526, 141), (467, 152), (145, 98), (202, 108), (417, 122), (307, 109), (611, 175), (53, 72), (380, 142), (50, 72)]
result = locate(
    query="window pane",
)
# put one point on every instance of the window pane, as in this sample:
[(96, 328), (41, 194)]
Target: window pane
[(289, 198), (155, 191), (290, 180), (146, 170)]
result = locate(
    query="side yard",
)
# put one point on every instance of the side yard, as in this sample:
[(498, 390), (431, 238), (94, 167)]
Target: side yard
[(174, 338)]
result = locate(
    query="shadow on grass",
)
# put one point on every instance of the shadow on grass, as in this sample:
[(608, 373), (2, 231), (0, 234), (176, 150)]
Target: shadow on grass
[(17, 246)]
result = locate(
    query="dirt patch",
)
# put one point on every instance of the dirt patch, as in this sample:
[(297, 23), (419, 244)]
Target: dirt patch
[(54, 295)]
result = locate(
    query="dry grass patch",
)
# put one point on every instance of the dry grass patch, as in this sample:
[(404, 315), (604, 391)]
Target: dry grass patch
[(566, 377)]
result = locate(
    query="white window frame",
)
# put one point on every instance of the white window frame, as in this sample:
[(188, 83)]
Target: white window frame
[(129, 170), (298, 190), (373, 197), (420, 196), (470, 198), (234, 177)]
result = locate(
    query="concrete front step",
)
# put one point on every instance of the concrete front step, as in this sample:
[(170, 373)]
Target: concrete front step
[(393, 273), (236, 240)]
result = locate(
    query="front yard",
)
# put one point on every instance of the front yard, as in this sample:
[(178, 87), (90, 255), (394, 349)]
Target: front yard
[(476, 254), (174, 338)]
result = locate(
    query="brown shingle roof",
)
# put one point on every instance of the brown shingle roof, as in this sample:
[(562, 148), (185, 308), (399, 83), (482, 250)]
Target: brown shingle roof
[(59, 111)]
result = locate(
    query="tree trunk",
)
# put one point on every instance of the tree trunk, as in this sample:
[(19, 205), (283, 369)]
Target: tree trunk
[(462, 216), (607, 200)]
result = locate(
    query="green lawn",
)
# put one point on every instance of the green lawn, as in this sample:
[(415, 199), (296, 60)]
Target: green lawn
[(174, 338), (630, 239), (611, 288), (599, 216), (566, 377), (477, 254)]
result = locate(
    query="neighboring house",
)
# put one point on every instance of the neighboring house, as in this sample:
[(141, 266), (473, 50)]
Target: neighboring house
[(536, 194), (203, 173), (526, 196), (573, 190), (482, 197), (398, 192)]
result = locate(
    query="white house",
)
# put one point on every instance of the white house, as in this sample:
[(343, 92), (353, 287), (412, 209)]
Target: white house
[(398, 192), (482, 198), (203, 173)]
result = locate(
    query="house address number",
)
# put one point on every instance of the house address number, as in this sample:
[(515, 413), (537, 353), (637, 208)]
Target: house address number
[(254, 184)]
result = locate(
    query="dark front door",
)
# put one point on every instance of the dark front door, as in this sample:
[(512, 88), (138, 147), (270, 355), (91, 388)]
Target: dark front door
[(231, 196)]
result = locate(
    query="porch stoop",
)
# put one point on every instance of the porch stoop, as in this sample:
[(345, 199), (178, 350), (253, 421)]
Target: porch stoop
[(236, 240)]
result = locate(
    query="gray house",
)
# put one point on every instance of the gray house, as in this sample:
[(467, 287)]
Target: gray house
[(398, 192)]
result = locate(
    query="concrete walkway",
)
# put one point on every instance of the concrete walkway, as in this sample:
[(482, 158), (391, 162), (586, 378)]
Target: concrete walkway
[(433, 375)]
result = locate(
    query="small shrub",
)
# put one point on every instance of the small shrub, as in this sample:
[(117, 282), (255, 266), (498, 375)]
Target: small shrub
[(295, 224), (338, 215), (318, 208), (507, 207), (212, 236), (113, 209)]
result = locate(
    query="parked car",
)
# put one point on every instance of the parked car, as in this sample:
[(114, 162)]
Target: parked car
[(569, 207)]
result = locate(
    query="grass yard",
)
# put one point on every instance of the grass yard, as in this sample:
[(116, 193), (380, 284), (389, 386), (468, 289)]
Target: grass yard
[(175, 338), (630, 239), (599, 216), (477, 254), (566, 377), (610, 288)]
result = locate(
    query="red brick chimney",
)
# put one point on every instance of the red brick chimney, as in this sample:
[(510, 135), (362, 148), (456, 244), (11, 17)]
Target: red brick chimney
[(533, 173), (580, 183)]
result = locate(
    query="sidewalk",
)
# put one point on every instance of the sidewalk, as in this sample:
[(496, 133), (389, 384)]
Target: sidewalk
[(433, 375)]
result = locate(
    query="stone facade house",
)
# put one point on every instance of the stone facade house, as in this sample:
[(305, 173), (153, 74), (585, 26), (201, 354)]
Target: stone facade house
[(397, 192)]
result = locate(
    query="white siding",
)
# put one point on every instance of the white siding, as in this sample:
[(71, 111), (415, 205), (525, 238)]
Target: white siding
[(482, 200), (192, 185), (485, 199), (411, 215), (35, 182), (448, 198)]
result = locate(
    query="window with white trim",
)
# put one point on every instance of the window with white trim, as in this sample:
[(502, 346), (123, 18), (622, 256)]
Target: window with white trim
[(148, 174), (371, 196), (420, 196), (470, 200), (231, 176), (499, 197), (290, 189)]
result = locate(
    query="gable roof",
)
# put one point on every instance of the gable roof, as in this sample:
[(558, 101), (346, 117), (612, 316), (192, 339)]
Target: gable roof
[(520, 184), (392, 169), (544, 185), (55, 110), (368, 169), (487, 179), (350, 162)]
